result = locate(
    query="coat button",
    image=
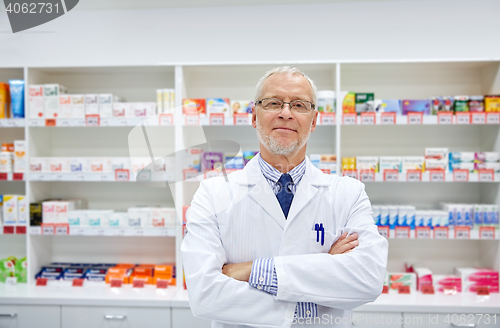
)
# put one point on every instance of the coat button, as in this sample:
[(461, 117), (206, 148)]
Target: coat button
[(308, 312), (261, 279)]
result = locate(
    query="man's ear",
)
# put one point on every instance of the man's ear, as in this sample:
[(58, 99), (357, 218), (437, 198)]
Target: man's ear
[(254, 117), (313, 123)]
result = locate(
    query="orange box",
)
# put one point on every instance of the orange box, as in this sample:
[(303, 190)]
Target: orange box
[(170, 281), (143, 271), (147, 279), (118, 273), (124, 265), (194, 106), (165, 271)]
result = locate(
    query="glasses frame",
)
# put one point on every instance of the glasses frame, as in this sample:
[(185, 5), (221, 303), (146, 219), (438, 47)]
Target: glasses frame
[(313, 106)]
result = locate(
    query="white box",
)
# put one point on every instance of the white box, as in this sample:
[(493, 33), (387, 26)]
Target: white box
[(6, 162), (436, 153), (139, 163), (163, 217), (436, 164), (404, 278), (61, 210), (49, 212), (99, 218), (367, 163), (118, 219), (461, 156), (168, 101), (65, 107), (36, 101), (100, 165), (78, 218), (461, 166), (20, 159), (59, 164), (495, 166), (144, 109), (122, 109), (53, 90), (51, 107), (78, 106), (412, 163), (91, 104), (159, 101), (10, 210), (139, 217), (389, 163), (106, 101), (39, 164), (79, 164), (122, 163), (23, 211)]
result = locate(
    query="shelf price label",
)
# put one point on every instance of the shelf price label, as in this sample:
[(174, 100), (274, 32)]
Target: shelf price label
[(8, 230), (391, 175), (463, 118), (62, 229), (436, 175), (190, 174), (122, 175), (462, 232), (349, 118), (487, 232), (478, 118), (36, 122), (367, 175), (415, 118), (11, 281), (388, 118), (486, 175), (402, 232), (441, 232), (351, 173), (211, 174), (492, 118), (138, 283), (404, 290), (427, 289), (41, 281), (327, 118), (20, 230), (217, 119), (116, 283), (92, 120), (192, 119), (483, 290), (50, 122), (166, 119), (4, 176), (384, 231), (77, 283), (413, 175), (423, 232), (241, 119), (460, 175), (17, 176), (385, 290), (161, 284), (48, 229), (445, 118), (368, 118), (35, 230), (63, 122)]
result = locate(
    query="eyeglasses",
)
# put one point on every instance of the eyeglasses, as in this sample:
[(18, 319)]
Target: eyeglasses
[(276, 105)]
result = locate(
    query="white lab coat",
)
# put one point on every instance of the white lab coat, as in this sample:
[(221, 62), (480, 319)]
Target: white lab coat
[(241, 220)]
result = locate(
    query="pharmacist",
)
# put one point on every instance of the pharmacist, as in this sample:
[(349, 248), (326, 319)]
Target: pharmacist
[(280, 242)]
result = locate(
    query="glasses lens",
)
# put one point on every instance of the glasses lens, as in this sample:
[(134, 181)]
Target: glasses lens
[(271, 104), (300, 106)]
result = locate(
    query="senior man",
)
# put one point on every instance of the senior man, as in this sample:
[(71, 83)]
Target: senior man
[(281, 243)]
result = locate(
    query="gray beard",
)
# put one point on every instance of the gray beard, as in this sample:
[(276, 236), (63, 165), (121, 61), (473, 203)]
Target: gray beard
[(274, 147)]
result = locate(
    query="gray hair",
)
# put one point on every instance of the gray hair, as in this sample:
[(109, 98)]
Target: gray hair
[(284, 70)]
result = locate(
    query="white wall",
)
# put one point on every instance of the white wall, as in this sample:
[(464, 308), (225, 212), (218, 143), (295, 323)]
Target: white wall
[(371, 30)]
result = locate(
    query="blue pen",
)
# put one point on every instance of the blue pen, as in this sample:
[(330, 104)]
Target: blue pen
[(316, 227), (322, 234)]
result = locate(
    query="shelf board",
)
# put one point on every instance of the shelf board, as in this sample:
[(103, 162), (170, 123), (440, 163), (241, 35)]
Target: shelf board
[(102, 122), (102, 177), (107, 231)]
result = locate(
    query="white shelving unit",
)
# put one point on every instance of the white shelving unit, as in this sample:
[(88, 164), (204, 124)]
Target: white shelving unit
[(401, 80)]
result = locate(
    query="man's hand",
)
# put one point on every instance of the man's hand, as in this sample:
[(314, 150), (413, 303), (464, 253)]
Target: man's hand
[(344, 244), (238, 271)]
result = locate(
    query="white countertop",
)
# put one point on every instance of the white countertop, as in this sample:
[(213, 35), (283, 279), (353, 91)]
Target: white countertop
[(178, 298)]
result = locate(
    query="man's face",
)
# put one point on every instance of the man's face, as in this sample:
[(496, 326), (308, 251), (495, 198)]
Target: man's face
[(284, 132)]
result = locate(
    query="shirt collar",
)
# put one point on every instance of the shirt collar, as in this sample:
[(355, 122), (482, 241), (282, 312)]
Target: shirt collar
[(274, 175)]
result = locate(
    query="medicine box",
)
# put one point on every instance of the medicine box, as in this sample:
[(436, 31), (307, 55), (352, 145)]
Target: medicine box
[(65, 107), (144, 109), (412, 163), (492, 103), (106, 101), (218, 106), (36, 101), (367, 163), (437, 153), (194, 106), (22, 210), (78, 106), (91, 104), (436, 164), (389, 163), (420, 106), (10, 210), (20, 159), (241, 106), (39, 164)]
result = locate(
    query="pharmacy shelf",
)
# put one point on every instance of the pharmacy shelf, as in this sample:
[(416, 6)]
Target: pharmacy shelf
[(109, 177), (93, 121), (92, 295), (241, 120), (12, 123), (450, 234), (384, 119), (426, 177), (101, 231)]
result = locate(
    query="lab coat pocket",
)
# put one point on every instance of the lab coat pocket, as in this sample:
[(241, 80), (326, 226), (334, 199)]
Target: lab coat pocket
[(315, 242)]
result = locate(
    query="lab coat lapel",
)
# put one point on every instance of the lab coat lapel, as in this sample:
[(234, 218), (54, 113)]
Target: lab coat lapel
[(262, 193)]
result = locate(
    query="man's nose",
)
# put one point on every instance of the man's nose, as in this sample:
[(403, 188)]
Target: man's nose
[(286, 112)]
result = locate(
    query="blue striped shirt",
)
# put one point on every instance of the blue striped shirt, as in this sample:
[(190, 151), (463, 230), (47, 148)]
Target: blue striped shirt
[(263, 275)]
